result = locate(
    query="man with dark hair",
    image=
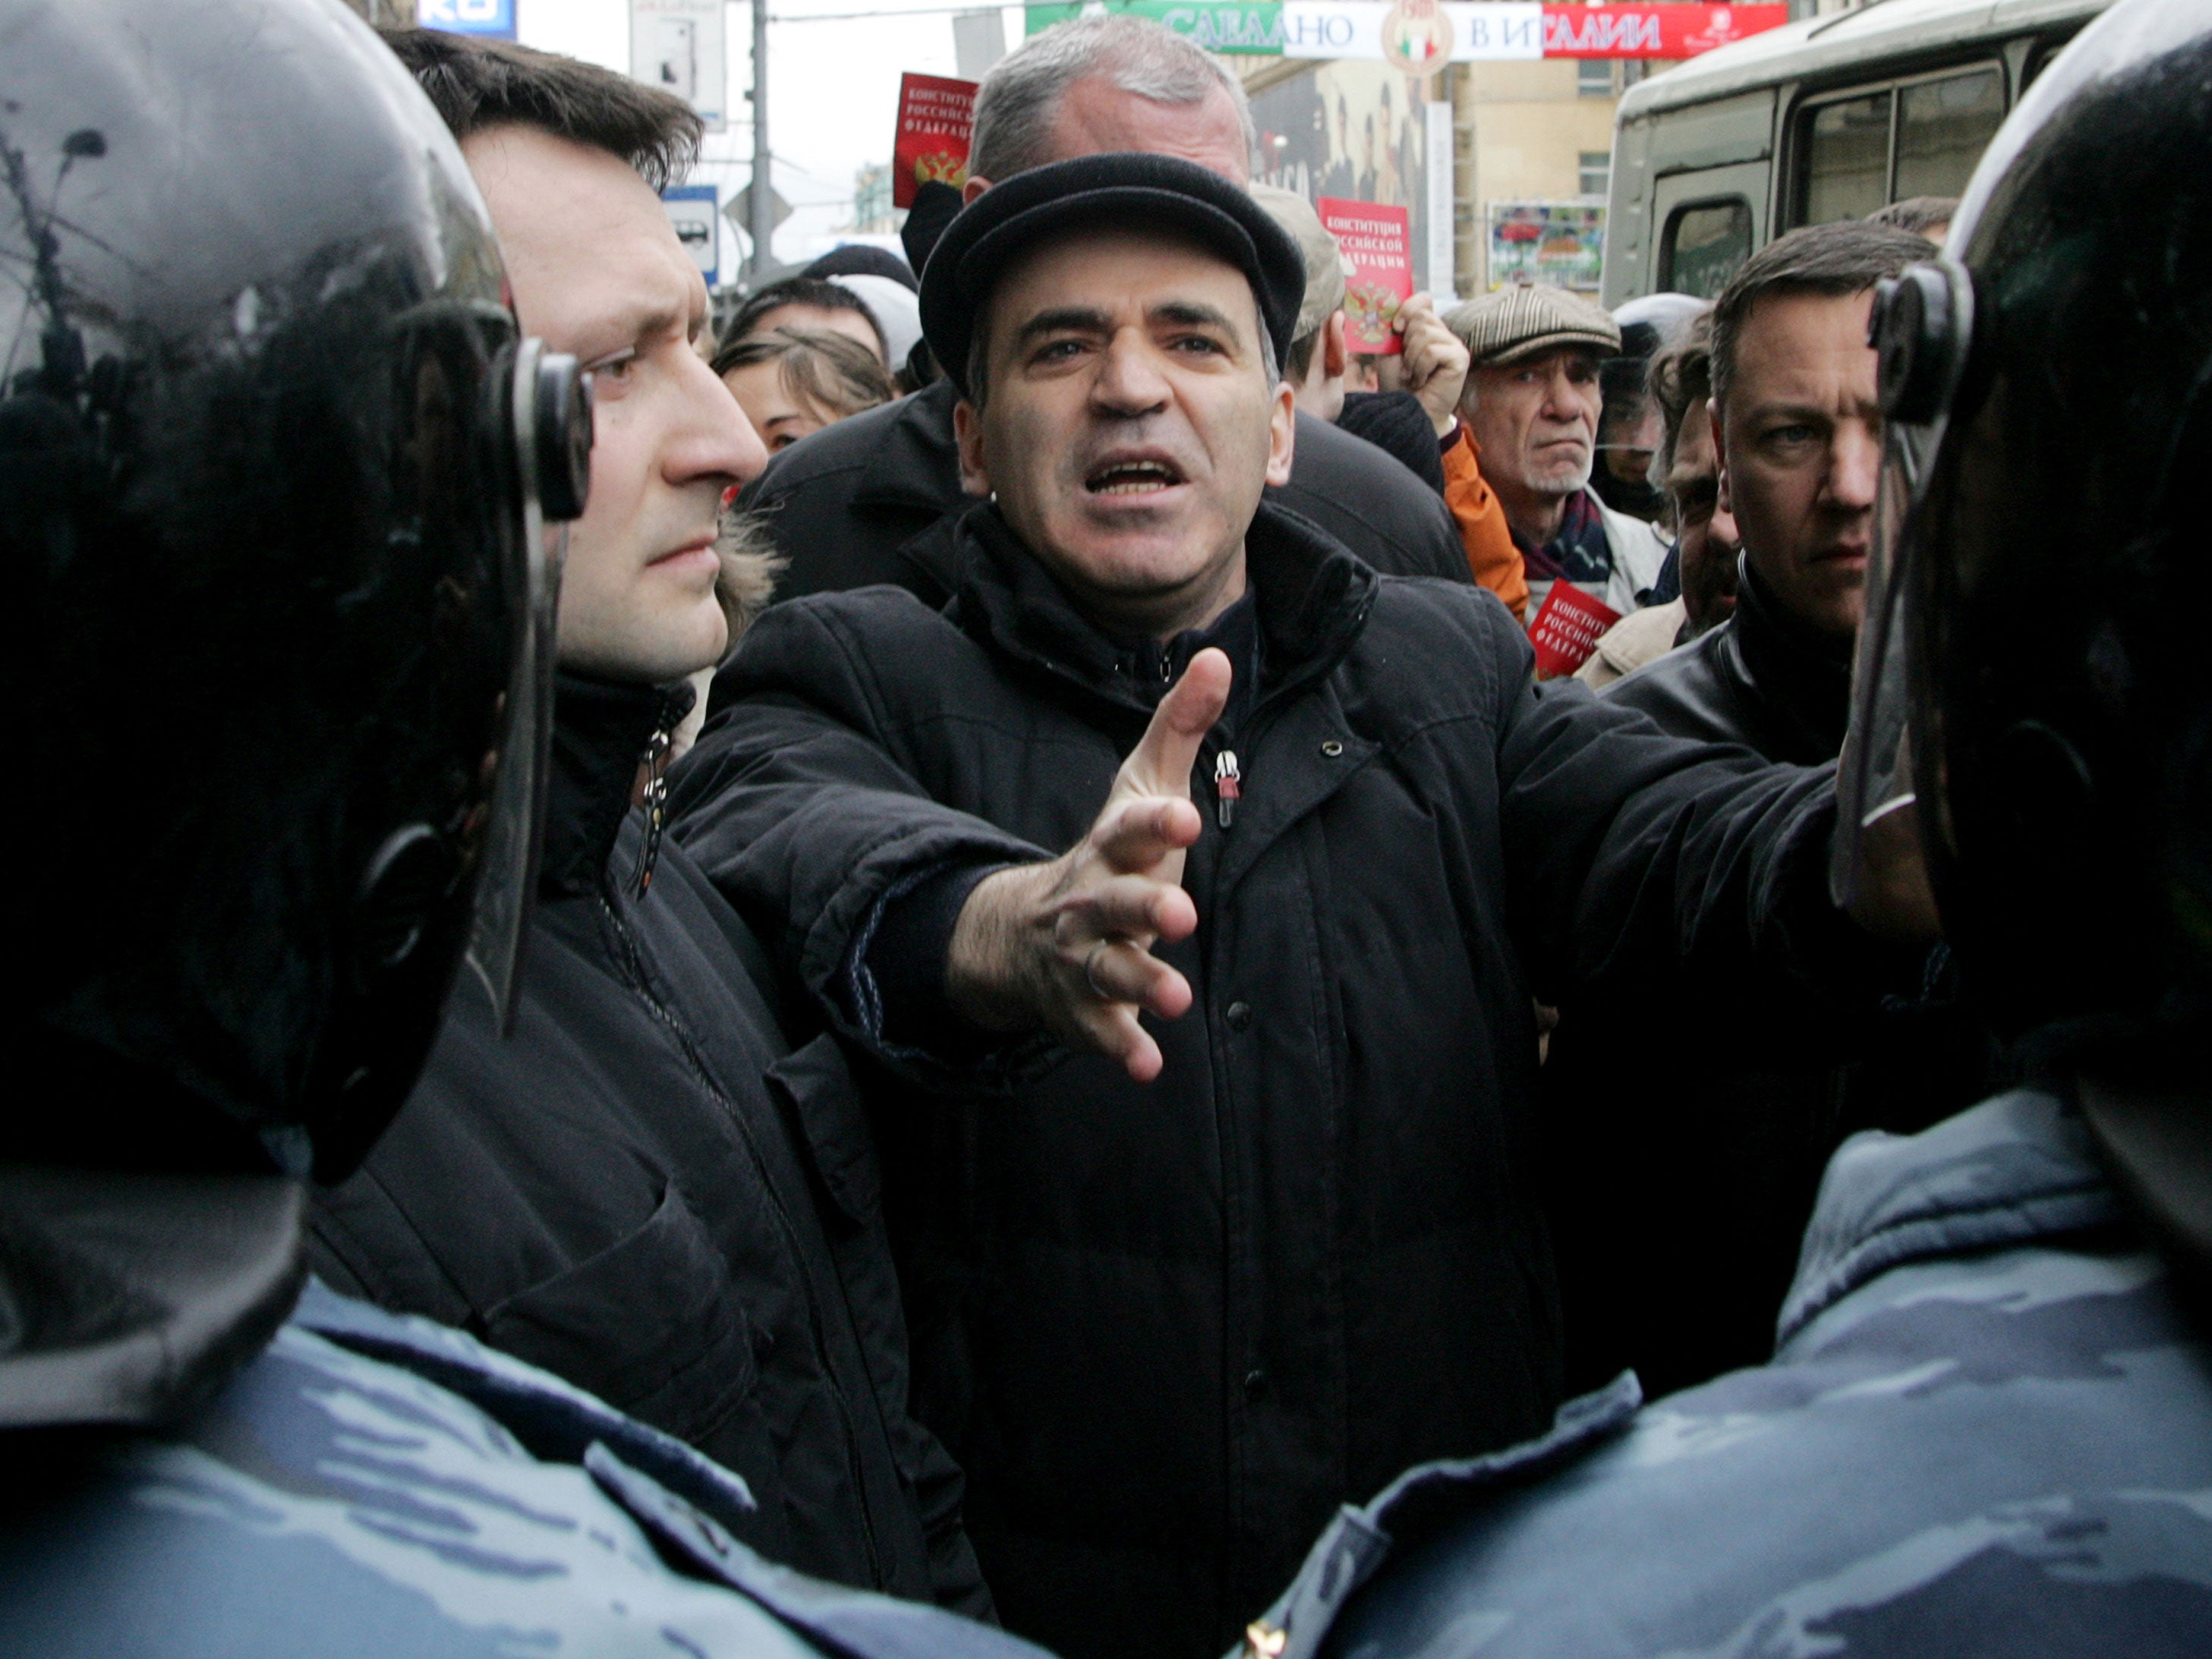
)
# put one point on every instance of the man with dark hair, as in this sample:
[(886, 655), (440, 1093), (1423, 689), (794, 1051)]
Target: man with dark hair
[(875, 499), (477, 85), (1799, 436), (1264, 1224), (1678, 1236), (649, 1186), (1924, 216), (812, 303)]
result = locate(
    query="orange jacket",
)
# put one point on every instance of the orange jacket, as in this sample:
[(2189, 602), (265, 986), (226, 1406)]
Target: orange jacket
[(1491, 555)]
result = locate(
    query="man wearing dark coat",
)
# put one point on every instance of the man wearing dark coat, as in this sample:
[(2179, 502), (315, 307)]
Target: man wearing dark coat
[(1690, 1141), (1224, 1212), (650, 1186)]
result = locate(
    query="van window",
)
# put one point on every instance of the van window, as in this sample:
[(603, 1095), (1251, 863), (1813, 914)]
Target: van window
[(1917, 138), (1846, 159), (1705, 244), (1942, 128)]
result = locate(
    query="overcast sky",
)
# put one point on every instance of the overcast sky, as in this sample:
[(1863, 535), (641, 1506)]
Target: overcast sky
[(832, 92)]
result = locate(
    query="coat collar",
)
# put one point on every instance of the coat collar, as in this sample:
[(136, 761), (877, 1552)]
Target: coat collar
[(603, 732), (2008, 1172), (1803, 679), (1311, 596)]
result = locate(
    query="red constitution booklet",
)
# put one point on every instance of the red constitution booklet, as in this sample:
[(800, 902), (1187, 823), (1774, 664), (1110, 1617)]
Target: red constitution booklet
[(1377, 241), (1566, 628), (935, 115)]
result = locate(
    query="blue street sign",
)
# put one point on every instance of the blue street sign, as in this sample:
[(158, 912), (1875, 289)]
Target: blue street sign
[(691, 210), (493, 17)]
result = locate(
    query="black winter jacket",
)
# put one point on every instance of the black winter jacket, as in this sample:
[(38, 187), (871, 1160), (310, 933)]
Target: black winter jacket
[(1762, 679), (1397, 424), (647, 1191), (1169, 1328), (1688, 1135), (876, 499)]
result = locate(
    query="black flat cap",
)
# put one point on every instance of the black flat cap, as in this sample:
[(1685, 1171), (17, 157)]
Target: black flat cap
[(1154, 193)]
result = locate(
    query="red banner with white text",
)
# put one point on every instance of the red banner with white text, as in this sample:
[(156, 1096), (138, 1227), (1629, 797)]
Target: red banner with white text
[(1665, 29)]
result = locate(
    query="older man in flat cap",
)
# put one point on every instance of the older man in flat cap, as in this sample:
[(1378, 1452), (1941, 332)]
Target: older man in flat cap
[(1207, 1119), (1419, 424), (1531, 408)]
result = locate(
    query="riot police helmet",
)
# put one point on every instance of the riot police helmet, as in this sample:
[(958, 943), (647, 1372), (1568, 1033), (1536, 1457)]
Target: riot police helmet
[(2032, 672), (274, 472)]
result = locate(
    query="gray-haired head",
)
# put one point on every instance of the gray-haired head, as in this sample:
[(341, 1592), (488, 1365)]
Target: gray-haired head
[(1020, 98)]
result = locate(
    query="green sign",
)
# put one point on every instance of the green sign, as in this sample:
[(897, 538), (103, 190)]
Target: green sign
[(1252, 27)]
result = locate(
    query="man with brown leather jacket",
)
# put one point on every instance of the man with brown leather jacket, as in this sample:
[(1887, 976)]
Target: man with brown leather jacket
[(1687, 1146)]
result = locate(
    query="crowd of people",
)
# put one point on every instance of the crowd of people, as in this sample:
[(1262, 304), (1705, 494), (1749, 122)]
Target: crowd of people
[(944, 974)]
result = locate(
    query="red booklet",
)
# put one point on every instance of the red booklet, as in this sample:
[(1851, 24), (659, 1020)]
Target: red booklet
[(935, 115), (1566, 628), (1377, 241)]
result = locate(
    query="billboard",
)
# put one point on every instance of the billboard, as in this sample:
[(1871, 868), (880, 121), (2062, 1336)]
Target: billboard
[(1418, 36), (1356, 130), (1558, 243)]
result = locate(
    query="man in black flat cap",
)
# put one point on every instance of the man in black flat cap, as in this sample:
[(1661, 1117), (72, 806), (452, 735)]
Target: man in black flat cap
[(874, 499), (1206, 1137)]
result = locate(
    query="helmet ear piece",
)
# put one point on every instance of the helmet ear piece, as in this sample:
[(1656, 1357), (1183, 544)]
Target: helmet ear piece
[(559, 436), (1921, 328)]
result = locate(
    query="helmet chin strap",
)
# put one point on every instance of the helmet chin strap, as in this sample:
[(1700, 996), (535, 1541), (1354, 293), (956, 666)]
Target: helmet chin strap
[(2157, 1137)]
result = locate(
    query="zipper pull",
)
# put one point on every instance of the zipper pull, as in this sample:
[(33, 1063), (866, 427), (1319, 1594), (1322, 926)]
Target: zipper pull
[(1228, 788), (654, 798)]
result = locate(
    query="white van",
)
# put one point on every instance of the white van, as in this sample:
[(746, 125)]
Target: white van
[(1828, 117)]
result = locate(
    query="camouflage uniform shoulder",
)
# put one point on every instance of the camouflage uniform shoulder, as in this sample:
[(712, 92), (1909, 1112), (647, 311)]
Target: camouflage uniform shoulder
[(1988, 1430), (375, 1484)]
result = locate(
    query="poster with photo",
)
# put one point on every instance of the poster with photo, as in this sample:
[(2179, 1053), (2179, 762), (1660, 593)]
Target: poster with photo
[(936, 114), (1355, 130), (1375, 241), (1561, 243)]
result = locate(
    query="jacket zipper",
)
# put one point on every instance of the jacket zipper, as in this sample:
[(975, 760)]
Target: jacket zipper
[(1228, 788), (634, 962), (654, 798)]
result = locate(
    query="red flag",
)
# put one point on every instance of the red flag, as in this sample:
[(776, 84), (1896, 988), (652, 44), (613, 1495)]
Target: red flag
[(1566, 628), (935, 115), (1377, 241)]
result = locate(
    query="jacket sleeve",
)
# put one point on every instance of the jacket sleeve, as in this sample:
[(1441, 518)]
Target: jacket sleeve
[(1636, 856), (800, 806), (1492, 557)]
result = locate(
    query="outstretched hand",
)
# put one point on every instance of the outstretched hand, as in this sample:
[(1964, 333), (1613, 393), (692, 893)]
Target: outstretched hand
[(1068, 945)]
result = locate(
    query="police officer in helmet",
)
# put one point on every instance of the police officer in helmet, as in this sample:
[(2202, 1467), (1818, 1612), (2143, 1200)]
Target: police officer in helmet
[(1987, 1428), (276, 478)]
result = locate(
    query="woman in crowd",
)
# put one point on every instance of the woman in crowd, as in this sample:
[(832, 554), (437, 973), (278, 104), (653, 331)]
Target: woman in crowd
[(793, 382)]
